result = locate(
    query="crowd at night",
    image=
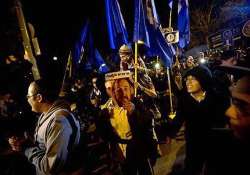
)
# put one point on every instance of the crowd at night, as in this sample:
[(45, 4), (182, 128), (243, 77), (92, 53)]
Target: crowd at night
[(137, 87)]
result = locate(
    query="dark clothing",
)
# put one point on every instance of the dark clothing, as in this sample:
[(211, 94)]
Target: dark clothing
[(15, 164), (200, 119), (141, 149), (228, 155), (222, 83)]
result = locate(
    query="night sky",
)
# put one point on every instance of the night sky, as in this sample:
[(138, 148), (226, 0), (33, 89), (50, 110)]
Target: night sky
[(58, 24)]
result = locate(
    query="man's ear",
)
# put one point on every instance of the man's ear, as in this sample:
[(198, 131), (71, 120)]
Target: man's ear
[(39, 98)]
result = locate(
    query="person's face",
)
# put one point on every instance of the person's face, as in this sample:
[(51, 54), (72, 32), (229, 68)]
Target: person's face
[(108, 86), (124, 56), (158, 70), (193, 85), (190, 61), (94, 102), (94, 81), (123, 91), (201, 55), (239, 111), (32, 98)]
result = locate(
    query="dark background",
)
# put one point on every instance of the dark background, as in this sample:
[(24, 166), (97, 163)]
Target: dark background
[(58, 24)]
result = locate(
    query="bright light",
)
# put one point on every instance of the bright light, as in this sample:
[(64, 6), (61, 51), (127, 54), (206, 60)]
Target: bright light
[(103, 65), (140, 42), (157, 65), (202, 60), (55, 58)]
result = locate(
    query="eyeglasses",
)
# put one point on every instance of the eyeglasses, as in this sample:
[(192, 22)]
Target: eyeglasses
[(28, 96)]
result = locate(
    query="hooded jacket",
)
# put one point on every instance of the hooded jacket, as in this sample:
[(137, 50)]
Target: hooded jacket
[(56, 135)]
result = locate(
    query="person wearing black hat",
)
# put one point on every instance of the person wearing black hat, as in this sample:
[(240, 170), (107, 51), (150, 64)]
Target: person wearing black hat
[(201, 110)]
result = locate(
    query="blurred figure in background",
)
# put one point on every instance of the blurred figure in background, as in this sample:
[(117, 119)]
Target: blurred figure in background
[(231, 150)]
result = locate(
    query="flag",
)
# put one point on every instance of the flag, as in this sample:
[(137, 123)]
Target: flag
[(152, 13), (170, 4), (140, 27), (183, 23), (159, 47), (147, 29), (94, 57), (116, 26), (80, 45), (85, 47)]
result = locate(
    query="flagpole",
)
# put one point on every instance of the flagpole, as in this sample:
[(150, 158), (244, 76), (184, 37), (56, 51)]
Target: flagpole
[(67, 68), (136, 67), (170, 19), (172, 113), (26, 39)]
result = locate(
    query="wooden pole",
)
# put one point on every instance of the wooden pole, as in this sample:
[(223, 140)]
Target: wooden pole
[(26, 39), (172, 113), (136, 68), (68, 68)]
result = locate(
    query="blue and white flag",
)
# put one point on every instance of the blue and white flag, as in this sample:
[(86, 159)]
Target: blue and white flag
[(183, 23), (159, 47), (147, 29), (152, 15), (170, 3)]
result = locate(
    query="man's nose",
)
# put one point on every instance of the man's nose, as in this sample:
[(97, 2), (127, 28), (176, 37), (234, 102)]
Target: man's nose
[(231, 112)]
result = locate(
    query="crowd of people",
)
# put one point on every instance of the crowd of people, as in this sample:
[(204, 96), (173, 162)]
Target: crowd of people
[(99, 126)]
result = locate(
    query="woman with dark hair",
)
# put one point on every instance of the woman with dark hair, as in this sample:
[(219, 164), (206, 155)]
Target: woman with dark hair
[(202, 111)]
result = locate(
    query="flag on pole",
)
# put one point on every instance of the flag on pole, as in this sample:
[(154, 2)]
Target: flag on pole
[(183, 23), (116, 26), (152, 13), (80, 45), (94, 57), (159, 47), (85, 48), (140, 27), (170, 4), (147, 29)]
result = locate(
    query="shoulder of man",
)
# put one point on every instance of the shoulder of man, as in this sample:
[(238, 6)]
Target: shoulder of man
[(62, 112)]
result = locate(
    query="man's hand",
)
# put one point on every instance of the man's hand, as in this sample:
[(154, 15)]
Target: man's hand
[(16, 143), (129, 106)]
